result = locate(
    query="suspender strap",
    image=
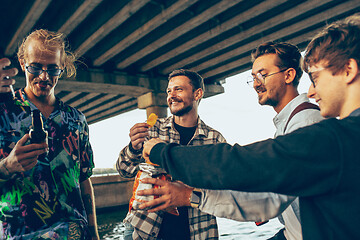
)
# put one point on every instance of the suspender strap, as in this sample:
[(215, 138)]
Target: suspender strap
[(303, 106)]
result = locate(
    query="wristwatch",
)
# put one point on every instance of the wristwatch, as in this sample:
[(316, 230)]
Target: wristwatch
[(195, 198)]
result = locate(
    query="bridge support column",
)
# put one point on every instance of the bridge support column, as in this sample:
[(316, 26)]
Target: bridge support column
[(153, 103)]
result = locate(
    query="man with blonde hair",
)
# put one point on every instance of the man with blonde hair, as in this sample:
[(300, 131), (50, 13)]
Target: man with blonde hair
[(45, 187)]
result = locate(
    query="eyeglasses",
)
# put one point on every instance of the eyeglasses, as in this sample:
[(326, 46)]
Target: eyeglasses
[(260, 78), (54, 72), (314, 75)]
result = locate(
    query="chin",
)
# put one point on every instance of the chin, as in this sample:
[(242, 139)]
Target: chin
[(175, 113), (172, 110), (327, 114), (42, 94), (262, 101)]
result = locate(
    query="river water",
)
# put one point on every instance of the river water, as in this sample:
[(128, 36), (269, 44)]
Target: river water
[(111, 227)]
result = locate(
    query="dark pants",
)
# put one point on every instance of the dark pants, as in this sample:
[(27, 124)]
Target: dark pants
[(279, 235)]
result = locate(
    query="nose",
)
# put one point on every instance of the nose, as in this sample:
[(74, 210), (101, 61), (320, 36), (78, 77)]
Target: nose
[(256, 83), (44, 76), (311, 93), (170, 94)]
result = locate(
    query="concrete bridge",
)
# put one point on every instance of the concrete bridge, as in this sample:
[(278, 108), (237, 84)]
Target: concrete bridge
[(129, 47), (111, 190)]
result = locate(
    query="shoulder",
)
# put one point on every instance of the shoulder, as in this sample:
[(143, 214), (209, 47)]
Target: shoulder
[(302, 118), (210, 132), (295, 124), (306, 117), (313, 114)]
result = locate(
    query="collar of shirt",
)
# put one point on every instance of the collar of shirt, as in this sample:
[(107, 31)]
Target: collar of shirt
[(201, 128), (281, 118), (59, 104)]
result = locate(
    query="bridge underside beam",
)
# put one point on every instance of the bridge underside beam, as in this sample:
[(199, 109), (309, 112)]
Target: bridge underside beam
[(101, 95)]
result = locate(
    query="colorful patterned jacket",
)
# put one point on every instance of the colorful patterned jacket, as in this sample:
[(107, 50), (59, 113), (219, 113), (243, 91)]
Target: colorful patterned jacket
[(47, 198)]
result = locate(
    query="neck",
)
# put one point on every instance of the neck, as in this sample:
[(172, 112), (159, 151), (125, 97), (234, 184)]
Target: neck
[(288, 97), (351, 100), (45, 104), (188, 120)]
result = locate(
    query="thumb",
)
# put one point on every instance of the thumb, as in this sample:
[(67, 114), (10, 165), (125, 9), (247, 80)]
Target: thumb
[(23, 140)]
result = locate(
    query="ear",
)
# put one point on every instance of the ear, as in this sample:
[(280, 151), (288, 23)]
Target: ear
[(290, 75), (22, 64), (198, 94), (351, 70)]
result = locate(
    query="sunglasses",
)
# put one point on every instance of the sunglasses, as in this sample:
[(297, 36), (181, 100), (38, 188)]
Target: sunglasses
[(54, 72)]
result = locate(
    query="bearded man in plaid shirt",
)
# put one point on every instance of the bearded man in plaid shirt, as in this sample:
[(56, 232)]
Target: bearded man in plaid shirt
[(184, 92)]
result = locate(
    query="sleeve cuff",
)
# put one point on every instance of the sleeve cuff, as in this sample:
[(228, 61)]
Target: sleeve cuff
[(134, 151), (156, 152)]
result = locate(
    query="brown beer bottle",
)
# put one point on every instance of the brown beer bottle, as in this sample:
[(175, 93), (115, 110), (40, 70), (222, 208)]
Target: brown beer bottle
[(37, 132)]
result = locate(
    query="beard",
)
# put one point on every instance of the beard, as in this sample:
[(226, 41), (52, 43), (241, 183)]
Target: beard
[(265, 99), (182, 111), (269, 102)]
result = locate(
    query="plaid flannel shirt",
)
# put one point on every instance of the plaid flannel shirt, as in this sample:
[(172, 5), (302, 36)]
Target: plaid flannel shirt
[(147, 225)]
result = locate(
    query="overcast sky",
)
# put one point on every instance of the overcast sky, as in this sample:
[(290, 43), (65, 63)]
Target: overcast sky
[(235, 113)]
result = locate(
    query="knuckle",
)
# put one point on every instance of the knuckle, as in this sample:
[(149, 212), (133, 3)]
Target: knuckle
[(16, 151)]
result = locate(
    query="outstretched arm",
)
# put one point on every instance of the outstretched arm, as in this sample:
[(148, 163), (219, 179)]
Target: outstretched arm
[(239, 206), (244, 206), (275, 165)]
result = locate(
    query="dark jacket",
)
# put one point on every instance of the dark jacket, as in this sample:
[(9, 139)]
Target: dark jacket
[(319, 163)]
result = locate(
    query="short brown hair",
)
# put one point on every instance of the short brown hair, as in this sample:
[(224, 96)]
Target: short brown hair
[(195, 79), (335, 45), (51, 39), (289, 55)]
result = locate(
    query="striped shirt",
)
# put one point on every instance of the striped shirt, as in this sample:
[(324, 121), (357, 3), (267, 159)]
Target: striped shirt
[(147, 225)]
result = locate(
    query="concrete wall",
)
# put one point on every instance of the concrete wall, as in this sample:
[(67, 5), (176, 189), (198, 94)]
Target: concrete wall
[(111, 190)]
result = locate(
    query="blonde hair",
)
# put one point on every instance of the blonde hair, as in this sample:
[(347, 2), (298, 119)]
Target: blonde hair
[(50, 40)]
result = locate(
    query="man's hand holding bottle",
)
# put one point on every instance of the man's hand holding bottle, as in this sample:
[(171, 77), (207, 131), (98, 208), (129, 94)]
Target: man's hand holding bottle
[(24, 156)]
